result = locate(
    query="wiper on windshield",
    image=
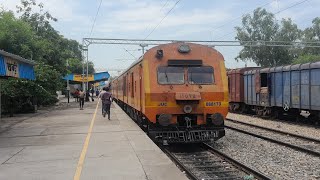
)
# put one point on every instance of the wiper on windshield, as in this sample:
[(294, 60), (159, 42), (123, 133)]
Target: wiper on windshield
[(165, 73)]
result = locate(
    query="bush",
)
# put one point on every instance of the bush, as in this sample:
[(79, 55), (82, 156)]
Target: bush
[(21, 95)]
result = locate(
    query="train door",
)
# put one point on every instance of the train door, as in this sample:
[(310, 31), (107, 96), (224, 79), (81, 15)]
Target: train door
[(264, 89)]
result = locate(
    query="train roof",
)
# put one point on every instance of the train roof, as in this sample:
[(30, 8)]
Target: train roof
[(294, 67), (241, 70), (141, 57)]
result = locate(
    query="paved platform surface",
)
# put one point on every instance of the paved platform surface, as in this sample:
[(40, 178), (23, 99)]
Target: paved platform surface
[(76, 144)]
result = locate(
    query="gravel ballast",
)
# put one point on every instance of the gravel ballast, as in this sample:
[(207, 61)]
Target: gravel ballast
[(276, 161), (282, 126)]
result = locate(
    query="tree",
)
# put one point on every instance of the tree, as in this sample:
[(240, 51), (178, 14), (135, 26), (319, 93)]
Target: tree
[(312, 34), (21, 95), (31, 36), (50, 48), (48, 78), (39, 21), (76, 66), (307, 58), (16, 36), (261, 27)]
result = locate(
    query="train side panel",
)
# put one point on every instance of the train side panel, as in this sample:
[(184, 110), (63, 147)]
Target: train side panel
[(237, 88), (315, 89), (289, 89), (295, 89)]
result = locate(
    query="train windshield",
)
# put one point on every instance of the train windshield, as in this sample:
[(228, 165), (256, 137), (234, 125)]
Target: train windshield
[(170, 75), (200, 75)]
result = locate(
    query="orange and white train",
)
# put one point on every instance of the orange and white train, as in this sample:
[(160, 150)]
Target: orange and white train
[(178, 92)]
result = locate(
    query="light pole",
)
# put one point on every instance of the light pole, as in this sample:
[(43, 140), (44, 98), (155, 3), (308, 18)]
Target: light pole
[(87, 69), (85, 48), (68, 87), (143, 46)]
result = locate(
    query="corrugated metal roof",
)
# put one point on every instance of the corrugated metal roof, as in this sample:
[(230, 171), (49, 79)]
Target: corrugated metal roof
[(16, 57)]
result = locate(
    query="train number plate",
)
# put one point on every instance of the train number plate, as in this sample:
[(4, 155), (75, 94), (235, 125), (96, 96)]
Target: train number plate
[(188, 96), (211, 103)]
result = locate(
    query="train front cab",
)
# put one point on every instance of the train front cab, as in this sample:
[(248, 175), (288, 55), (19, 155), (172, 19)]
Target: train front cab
[(188, 98)]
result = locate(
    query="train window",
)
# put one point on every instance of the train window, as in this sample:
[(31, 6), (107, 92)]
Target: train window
[(200, 75), (170, 75)]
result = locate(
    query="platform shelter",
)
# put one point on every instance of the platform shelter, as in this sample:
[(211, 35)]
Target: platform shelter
[(12, 65)]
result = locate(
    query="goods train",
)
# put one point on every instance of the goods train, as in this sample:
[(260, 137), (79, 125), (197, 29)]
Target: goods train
[(178, 92), (285, 90)]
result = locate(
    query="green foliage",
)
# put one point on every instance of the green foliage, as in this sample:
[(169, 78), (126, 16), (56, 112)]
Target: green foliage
[(76, 66), (48, 78), (312, 34), (306, 59), (21, 95), (16, 36), (262, 26), (31, 36)]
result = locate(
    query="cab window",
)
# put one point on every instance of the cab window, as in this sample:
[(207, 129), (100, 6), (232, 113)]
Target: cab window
[(200, 75), (170, 75)]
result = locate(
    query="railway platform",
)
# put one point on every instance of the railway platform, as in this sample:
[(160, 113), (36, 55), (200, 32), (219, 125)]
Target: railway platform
[(81, 144)]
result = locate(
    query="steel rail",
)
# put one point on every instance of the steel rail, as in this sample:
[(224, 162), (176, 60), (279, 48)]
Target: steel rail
[(236, 163), (186, 170), (275, 130), (299, 148)]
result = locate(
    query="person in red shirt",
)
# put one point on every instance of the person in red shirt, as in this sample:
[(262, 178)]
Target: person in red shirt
[(76, 95)]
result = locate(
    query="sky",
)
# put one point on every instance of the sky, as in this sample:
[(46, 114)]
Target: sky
[(188, 20)]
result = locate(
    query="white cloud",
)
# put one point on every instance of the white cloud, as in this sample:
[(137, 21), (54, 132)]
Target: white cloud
[(148, 15)]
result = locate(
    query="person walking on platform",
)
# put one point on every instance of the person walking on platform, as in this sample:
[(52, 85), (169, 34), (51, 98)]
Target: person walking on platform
[(92, 94), (106, 98), (97, 92), (81, 98), (87, 96), (76, 94)]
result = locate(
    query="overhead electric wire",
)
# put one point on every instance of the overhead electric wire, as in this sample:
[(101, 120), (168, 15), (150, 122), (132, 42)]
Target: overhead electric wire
[(130, 53), (162, 19), (298, 3), (160, 11), (165, 4), (95, 18)]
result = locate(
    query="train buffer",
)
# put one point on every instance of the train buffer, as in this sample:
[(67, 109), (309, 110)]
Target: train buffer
[(81, 144)]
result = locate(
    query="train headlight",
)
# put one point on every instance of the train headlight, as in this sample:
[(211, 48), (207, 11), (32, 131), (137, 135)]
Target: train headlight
[(217, 119), (164, 119), (187, 109), (184, 48)]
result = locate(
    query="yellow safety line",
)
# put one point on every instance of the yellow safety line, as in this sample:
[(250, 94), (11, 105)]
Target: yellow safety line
[(85, 147)]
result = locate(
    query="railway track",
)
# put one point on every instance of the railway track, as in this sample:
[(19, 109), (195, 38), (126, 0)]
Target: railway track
[(301, 143), (206, 163), (284, 119)]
